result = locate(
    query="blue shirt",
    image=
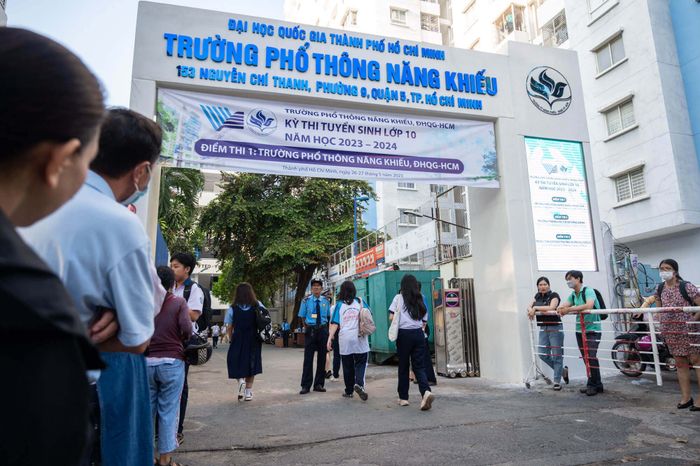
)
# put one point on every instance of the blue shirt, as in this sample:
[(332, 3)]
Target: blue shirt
[(285, 326), (307, 311), (101, 252)]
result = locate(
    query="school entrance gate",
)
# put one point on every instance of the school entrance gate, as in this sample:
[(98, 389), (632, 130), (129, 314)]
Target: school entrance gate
[(237, 93)]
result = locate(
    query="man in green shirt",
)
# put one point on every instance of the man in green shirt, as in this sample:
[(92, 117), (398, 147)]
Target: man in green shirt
[(584, 299)]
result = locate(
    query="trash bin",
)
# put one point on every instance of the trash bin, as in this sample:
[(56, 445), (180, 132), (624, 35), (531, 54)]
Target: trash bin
[(379, 290)]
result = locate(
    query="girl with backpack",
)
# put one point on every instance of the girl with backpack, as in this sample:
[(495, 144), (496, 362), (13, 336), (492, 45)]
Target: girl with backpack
[(409, 309), (676, 292), (244, 358), (354, 347)]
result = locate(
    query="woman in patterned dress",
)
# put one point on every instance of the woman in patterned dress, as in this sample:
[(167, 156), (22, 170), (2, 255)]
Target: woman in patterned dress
[(684, 347)]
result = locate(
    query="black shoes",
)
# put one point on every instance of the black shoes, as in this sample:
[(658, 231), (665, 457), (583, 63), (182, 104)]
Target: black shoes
[(347, 395), (591, 391), (329, 374), (688, 404), (304, 391), (319, 388), (361, 392)]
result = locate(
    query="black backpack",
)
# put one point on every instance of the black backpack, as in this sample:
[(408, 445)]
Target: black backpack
[(205, 319), (682, 286), (601, 302)]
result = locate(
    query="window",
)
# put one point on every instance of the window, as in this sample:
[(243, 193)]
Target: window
[(438, 188), (445, 215), (461, 220), (610, 54), (410, 259), (429, 23), (458, 193), (410, 186), (555, 33), (398, 16), (509, 21), (407, 219), (620, 117), (630, 185), (595, 4)]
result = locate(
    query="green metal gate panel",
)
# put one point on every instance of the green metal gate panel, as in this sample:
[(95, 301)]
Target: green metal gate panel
[(379, 290)]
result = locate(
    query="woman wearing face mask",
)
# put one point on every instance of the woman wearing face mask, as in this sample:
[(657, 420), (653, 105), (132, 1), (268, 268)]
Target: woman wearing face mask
[(51, 107), (675, 292), (551, 330)]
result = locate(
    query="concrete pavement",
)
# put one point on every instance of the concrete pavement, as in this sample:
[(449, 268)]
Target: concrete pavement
[(473, 421)]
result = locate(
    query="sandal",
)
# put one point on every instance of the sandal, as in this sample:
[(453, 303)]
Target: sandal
[(685, 405)]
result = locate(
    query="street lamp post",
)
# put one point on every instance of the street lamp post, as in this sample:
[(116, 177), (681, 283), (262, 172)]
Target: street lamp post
[(354, 219)]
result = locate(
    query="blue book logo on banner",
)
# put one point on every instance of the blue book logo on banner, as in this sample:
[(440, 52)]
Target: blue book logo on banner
[(221, 117)]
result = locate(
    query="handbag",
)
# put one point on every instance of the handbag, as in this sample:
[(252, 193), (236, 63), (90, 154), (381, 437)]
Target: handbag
[(366, 325), (198, 350), (394, 327)]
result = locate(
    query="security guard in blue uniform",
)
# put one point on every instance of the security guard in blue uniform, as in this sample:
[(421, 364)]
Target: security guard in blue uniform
[(315, 313)]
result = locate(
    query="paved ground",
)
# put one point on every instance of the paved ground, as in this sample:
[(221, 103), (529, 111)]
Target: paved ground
[(472, 421)]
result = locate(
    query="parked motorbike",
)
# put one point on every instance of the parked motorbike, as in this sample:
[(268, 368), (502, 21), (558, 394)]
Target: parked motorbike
[(632, 351)]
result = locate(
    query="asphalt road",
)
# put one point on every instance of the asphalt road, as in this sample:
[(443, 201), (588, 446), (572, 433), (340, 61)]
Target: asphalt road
[(473, 421)]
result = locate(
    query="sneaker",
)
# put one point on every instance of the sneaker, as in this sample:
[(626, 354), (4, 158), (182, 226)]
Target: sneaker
[(427, 401), (403, 402), (565, 375), (329, 374), (248, 395), (591, 391), (361, 392), (180, 438), (241, 390), (347, 395), (333, 378), (556, 387)]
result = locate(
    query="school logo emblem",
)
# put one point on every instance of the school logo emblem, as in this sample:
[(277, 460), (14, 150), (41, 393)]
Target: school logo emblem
[(262, 122), (222, 117), (548, 90)]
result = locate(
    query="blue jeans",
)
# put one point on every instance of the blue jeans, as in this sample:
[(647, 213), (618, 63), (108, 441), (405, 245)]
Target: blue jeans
[(125, 407), (166, 381), (551, 348)]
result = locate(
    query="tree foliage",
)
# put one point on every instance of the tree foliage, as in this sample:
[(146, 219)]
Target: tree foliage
[(265, 227), (178, 210)]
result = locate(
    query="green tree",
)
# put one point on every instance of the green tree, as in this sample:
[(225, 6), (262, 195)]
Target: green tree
[(265, 227), (178, 210)]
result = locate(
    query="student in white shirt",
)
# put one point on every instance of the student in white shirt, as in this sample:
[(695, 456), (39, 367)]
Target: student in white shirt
[(354, 349), (408, 306)]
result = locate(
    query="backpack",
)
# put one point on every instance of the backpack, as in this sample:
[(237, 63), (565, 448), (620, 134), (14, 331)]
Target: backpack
[(682, 286), (205, 319), (365, 324), (601, 302), (262, 318)]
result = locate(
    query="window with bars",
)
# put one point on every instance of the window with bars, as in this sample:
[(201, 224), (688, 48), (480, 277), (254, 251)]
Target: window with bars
[(555, 33), (612, 53), (593, 5), (445, 215), (461, 220), (510, 20), (410, 259), (407, 219), (630, 185), (429, 22), (438, 188), (458, 193), (398, 16), (620, 117), (409, 186)]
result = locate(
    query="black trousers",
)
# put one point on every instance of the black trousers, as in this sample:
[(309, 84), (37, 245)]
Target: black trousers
[(429, 371), (592, 348), (336, 358), (410, 346), (354, 368), (285, 338), (215, 341), (315, 342), (183, 400)]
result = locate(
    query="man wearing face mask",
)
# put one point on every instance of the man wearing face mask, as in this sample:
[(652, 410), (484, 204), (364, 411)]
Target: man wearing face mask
[(584, 299), (102, 253)]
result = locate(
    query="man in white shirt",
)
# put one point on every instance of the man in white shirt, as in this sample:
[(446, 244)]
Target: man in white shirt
[(183, 265)]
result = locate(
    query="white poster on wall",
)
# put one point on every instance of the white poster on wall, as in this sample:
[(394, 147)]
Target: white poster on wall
[(263, 136), (417, 240), (560, 205)]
